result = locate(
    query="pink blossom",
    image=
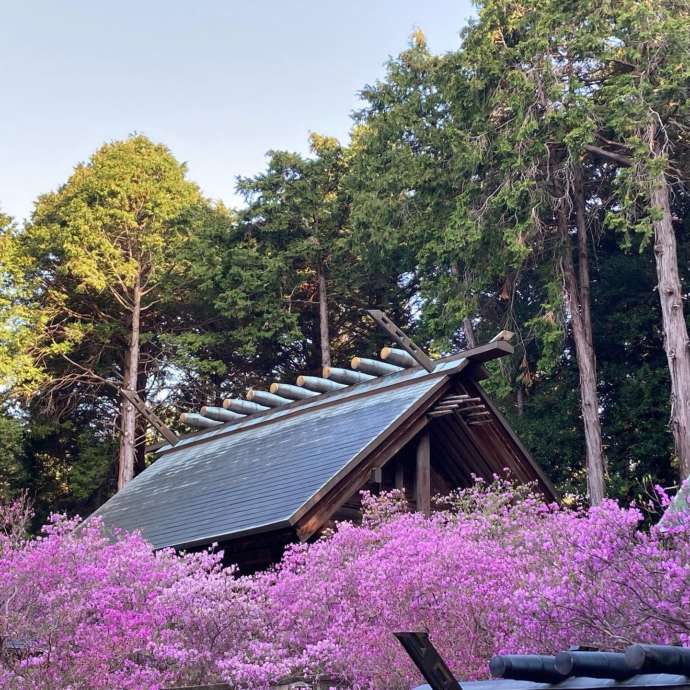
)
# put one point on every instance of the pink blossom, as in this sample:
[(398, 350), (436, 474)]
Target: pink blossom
[(493, 570)]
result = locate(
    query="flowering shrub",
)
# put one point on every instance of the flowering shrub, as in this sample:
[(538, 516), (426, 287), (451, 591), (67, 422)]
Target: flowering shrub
[(79, 610), (493, 570)]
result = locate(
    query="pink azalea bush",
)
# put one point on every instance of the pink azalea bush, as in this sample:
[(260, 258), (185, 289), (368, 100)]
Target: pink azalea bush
[(494, 570), (81, 611)]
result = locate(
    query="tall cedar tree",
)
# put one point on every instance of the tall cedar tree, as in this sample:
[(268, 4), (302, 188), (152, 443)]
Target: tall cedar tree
[(468, 146), (534, 121), (297, 222), (634, 58), (97, 264), (615, 76), (513, 151)]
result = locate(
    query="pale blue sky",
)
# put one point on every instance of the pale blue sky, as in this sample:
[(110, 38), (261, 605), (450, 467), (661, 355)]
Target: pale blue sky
[(219, 82)]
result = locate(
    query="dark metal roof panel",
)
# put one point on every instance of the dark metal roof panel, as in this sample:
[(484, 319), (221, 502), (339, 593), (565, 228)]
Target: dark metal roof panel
[(249, 480)]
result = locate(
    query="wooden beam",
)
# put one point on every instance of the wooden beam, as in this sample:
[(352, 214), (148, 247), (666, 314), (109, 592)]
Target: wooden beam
[(439, 413), (374, 366), (198, 421), (422, 485), (316, 383), (400, 476), (397, 356), (472, 408), (459, 400), (405, 343), (153, 419), (503, 335), (243, 406), (287, 390), (220, 414), (266, 398), (347, 376), (483, 353)]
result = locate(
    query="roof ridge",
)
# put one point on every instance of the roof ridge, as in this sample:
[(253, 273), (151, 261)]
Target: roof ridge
[(297, 407), (334, 380)]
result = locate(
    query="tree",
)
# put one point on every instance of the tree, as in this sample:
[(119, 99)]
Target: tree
[(633, 377), (636, 57), (231, 329), (97, 265), (534, 119), (300, 210), (297, 234), (487, 184), (407, 175), (614, 75)]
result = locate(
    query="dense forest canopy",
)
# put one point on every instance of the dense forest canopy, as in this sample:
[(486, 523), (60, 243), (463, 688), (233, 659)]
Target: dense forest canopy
[(533, 180)]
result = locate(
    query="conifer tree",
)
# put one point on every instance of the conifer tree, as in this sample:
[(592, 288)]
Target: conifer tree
[(96, 267), (297, 226)]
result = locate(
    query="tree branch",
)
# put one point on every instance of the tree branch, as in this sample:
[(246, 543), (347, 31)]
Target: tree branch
[(610, 155)]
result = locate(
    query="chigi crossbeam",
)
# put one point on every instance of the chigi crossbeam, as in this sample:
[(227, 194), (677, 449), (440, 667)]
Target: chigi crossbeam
[(401, 339), (156, 422)]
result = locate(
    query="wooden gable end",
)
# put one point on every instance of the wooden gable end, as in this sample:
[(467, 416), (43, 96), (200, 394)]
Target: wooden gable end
[(428, 454)]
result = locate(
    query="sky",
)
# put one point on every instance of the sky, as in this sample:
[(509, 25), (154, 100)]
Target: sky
[(219, 82)]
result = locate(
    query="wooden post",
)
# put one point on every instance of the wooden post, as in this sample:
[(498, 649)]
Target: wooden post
[(423, 475), (400, 476)]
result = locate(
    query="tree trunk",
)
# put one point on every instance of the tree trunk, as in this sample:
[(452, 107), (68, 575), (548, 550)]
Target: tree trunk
[(323, 320), (470, 338), (585, 292), (141, 427), (128, 416), (586, 363), (676, 342), (520, 400), (469, 332)]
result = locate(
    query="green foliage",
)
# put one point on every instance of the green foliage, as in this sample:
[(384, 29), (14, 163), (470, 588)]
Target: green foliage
[(68, 464), (461, 162), (296, 227), (19, 319), (74, 265), (12, 473), (67, 303)]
